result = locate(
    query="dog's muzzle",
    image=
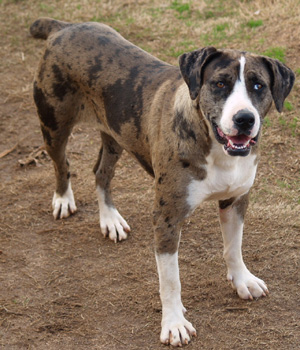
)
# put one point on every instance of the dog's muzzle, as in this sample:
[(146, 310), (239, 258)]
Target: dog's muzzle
[(244, 121), (240, 143)]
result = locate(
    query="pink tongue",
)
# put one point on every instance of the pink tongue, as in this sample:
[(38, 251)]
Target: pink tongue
[(239, 140)]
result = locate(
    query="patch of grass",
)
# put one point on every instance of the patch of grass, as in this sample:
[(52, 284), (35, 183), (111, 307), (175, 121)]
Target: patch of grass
[(276, 52), (297, 71), (262, 41), (129, 20), (146, 48), (216, 9), (209, 14), (288, 106), (46, 8), (267, 122), (218, 35), (254, 23), (221, 27), (294, 125), (282, 121), (180, 7), (106, 19), (190, 44), (11, 1), (156, 12), (180, 48), (282, 184)]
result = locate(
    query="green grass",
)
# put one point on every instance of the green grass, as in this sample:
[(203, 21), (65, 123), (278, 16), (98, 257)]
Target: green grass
[(46, 8), (276, 52), (294, 125), (282, 184), (267, 122), (221, 27), (297, 71), (129, 20), (217, 9), (180, 7), (209, 14), (288, 106), (182, 47), (254, 23), (156, 12), (282, 121)]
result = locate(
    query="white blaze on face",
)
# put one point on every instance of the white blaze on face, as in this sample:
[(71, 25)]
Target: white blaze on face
[(237, 101)]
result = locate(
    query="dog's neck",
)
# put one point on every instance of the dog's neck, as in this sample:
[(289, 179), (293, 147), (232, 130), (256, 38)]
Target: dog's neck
[(191, 128)]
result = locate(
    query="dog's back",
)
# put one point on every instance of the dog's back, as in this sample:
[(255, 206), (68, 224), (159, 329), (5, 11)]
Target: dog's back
[(91, 66)]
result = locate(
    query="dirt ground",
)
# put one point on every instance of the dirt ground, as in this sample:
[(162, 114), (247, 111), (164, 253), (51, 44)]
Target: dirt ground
[(62, 285)]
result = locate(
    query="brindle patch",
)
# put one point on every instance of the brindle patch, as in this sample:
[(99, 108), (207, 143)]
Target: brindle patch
[(58, 40), (226, 203), (182, 127), (94, 70), (144, 163), (62, 85), (46, 135), (124, 101), (241, 205), (45, 110)]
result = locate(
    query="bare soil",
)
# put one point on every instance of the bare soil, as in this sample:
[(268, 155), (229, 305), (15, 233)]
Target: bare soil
[(62, 285)]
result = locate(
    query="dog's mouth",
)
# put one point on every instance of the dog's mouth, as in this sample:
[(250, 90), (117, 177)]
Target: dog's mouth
[(238, 145)]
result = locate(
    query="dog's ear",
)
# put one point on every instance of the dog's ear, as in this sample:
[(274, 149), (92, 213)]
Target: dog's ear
[(282, 81), (191, 65)]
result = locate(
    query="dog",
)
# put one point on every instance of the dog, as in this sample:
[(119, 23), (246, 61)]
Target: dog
[(194, 128)]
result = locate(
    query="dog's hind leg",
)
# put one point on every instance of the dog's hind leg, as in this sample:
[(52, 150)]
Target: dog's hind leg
[(63, 202), (111, 222), (56, 131)]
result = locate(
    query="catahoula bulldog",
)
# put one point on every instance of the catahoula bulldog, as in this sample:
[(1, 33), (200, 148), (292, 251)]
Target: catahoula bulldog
[(195, 128)]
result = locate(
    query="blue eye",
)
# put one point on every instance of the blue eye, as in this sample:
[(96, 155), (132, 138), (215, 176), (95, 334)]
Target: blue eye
[(257, 86)]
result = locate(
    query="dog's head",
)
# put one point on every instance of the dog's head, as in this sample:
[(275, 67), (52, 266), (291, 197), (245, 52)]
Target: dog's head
[(235, 90)]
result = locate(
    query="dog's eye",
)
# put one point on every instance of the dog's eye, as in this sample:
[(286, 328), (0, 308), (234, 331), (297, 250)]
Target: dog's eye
[(257, 86), (220, 85)]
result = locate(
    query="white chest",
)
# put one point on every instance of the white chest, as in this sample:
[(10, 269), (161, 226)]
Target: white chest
[(226, 177)]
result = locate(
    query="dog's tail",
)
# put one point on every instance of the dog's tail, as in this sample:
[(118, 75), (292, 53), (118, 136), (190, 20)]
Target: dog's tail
[(45, 26)]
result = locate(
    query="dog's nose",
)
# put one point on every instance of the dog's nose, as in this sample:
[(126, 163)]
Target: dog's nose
[(244, 120)]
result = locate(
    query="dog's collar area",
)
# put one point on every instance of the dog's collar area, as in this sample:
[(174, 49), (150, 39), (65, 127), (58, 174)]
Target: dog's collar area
[(238, 145)]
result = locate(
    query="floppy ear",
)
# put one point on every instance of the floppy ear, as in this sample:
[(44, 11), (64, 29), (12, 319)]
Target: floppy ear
[(282, 81), (191, 65)]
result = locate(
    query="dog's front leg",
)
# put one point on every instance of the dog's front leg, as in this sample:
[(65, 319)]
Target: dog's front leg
[(176, 330), (232, 221)]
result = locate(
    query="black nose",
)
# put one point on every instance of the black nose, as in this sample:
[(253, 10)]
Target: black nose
[(244, 120)]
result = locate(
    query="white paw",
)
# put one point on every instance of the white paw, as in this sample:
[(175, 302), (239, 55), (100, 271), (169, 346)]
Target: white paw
[(112, 224), (176, 330), (247, 285), (63, 206)]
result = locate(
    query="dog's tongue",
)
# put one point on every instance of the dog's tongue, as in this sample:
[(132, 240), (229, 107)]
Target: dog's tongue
[(239, 140)]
